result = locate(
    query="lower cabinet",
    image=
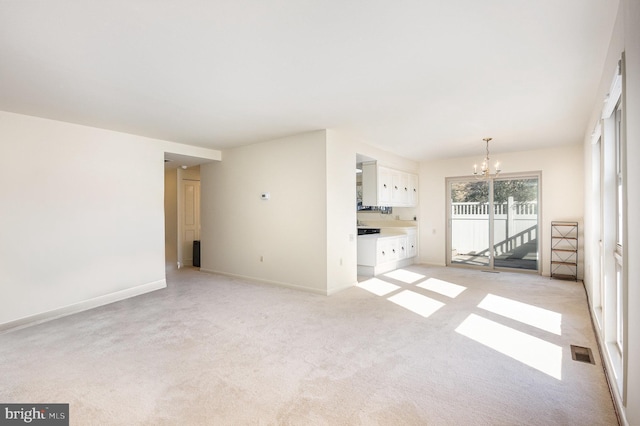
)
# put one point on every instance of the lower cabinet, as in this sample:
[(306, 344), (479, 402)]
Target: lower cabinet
[(412, 245), (389, 249), (380, 254)]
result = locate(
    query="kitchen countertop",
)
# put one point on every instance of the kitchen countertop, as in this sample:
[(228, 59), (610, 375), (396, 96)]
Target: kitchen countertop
[(377, 236), (387, 224), (388, 228)]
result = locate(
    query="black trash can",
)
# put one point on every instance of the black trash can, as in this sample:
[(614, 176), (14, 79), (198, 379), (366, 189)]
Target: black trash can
[(196, 253)]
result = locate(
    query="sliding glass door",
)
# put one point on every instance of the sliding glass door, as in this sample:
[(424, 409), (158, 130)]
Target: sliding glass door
[(494, 223), (515, 227), (470, 218)]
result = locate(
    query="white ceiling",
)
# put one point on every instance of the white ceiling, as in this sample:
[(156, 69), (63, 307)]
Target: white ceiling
[(424, 78)]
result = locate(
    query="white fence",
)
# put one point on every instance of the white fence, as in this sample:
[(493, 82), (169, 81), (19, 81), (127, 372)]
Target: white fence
[(515, 224)]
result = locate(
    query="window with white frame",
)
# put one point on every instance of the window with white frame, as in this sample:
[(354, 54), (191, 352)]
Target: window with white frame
[(619, 217), (612, 227)]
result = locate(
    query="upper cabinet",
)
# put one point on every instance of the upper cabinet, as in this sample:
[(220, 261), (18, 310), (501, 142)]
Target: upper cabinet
[(382, 186), (413, 190)]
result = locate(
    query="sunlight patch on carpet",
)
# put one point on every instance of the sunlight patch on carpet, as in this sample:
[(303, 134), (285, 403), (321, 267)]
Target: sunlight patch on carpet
[(532, 351), (416, 303), (442, 287), (528, 314), (378, 287), (404, 276)]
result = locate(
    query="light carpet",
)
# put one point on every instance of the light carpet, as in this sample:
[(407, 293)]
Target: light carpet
[(419, 346)]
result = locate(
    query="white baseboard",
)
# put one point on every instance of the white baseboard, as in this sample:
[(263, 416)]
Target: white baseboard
[(260, 280), (82, 306), (335, 290), (431, 264)]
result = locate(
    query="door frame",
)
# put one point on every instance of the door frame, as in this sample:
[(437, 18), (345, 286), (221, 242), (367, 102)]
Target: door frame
[(181, 177), (490, 266)]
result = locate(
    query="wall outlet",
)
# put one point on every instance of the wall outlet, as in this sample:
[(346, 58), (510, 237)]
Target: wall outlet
[(261, 258)]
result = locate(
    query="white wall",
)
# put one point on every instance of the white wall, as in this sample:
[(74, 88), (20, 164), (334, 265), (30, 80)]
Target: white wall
[(384, 158), (341, 213), (306, 233), (632, 117), (626, 37), (171, 218), (288, 231), (82, 217), (342, 216), (561, 189)]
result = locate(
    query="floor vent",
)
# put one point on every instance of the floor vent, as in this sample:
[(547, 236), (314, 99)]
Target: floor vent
[(582, 354)]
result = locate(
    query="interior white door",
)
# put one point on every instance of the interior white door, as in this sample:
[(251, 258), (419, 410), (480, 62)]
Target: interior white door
[(190, 219)]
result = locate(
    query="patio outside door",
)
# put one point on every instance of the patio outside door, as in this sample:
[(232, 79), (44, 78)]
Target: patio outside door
[(494, 223), (469, 221)]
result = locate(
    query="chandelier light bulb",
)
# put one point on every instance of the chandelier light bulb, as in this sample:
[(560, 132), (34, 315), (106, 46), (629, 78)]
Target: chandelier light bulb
[(485, 170)]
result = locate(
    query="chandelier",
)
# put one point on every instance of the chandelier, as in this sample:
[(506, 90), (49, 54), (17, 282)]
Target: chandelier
[(485, 171)]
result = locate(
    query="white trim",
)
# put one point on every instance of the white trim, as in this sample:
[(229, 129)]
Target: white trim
[(596, 134), (611, 99), (82, 306), (338, 289), (609, 373), (503, 176), (260, 280)]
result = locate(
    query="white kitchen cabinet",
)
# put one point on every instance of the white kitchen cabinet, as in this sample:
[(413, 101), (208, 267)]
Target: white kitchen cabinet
[(386, 187), (379, 253), (376, 185), (413, 189), (400, 188), (388, 250), (412, 245)]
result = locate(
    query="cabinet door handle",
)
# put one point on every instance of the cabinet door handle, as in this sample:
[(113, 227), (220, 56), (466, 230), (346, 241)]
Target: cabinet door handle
[(396, 187), (383, 253), (384, 185), (406, 189), (394, 250)]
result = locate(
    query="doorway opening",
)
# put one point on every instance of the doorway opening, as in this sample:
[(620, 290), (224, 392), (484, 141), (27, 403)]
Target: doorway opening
[(182, 209), (188, 216), (494, 223)]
